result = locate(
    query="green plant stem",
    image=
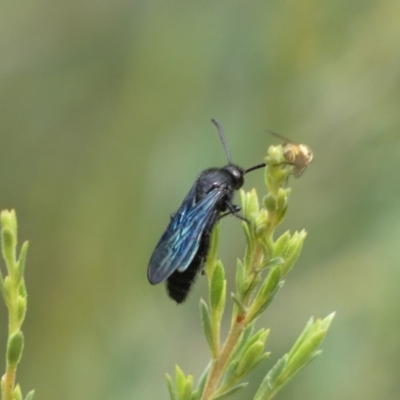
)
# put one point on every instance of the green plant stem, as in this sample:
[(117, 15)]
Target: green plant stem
[(219, 364), (9, 382), (9, 376), (240, 322)]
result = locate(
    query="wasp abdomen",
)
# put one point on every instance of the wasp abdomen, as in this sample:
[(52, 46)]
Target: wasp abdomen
[(179, 283)]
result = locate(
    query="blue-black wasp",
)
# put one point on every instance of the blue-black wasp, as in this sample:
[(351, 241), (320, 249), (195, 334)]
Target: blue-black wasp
[(182, 250)]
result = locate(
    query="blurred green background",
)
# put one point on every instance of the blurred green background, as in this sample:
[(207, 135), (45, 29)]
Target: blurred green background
[(105, 111)]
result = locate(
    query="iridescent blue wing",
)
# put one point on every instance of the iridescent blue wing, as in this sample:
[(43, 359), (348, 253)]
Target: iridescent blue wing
[(180, 242)]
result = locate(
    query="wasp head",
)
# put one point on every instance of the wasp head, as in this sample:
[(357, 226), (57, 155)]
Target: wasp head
[(237, 174)]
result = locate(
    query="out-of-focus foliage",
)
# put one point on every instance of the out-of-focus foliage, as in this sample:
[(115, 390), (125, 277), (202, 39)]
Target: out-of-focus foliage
[(104, 124)]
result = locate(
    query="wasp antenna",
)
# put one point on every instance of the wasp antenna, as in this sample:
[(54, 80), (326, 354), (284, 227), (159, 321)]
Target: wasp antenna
[(279, 136), (262, 165), (223, 140)]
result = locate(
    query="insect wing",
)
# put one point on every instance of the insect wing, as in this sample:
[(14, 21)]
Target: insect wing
[(180, 242)]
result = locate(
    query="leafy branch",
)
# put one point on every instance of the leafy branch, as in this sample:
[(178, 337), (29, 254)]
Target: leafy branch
[(259, 277), (13, 289)]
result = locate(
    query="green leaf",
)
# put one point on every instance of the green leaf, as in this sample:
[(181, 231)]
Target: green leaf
[(212, 252), (15, 347), (276, 371), (243, 201), (248, 234), (249, 358), (231, 391), (271, 379), (326, 322), (303, 335), (180, 381), (31, 394), (217, 286), (241, 307), (251, 284), (17, 395), (9, 243), (266, 294), (270, 283), (270, 203), (264, 335), (202, 382), (253, 207), (260, 334), (305, 351), (273, 262), (22, 288), (206, 322), (268, 301), (240, 276), (282, 204), (281, 216), (230, 373), (7, 290), (21, 309), (187, 392), (261, 223), (22, 259), (281, 244), (242, 342), (171, 390), (293, 250), (312, 356)]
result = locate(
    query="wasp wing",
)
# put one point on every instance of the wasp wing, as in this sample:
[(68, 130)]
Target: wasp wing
[(180, 242)]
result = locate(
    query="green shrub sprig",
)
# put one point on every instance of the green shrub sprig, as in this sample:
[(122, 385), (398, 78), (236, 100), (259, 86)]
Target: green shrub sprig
[(259, 277), (13, 289)]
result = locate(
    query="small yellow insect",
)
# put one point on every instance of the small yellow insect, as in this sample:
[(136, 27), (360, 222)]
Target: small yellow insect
[(297, 155)]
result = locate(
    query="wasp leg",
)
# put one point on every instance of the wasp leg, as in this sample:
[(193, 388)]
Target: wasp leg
[(234, 210)]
